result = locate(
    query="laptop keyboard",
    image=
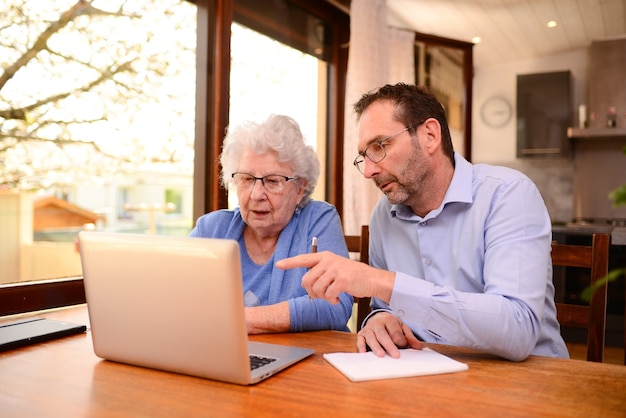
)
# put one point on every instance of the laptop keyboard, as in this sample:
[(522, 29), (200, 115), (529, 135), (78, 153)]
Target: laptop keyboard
[(258, 361)]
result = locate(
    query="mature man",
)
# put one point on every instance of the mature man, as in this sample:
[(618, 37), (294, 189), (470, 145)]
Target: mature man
[(459, 253)]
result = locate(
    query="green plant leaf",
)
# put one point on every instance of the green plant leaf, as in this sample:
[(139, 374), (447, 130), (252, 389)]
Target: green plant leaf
[(618, 196), (613, 275)]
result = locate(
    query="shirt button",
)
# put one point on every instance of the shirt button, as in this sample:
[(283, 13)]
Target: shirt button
[(428, 262), (400, 312)]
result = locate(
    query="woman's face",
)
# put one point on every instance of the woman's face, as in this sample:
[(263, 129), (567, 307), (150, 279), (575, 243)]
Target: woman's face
[(265, 212)]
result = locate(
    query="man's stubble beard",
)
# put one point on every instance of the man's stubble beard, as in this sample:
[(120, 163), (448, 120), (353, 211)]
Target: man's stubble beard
[(414, 172)]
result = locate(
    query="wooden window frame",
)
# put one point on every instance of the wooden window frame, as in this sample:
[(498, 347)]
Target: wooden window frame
[(215, 18), (467, 50)]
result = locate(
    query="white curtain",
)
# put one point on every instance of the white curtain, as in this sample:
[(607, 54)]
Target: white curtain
[(401, 56), (378, 55)]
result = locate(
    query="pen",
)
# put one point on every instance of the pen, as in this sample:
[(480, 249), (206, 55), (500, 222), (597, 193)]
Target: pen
[(313, 251)]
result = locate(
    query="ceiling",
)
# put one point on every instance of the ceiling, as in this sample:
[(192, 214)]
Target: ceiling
[(513, 30)]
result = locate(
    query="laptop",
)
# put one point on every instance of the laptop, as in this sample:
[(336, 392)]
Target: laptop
[(174, 304), (23, 332)]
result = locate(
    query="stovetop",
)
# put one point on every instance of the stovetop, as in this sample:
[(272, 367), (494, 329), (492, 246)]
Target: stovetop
[(600, 222), (588, 226)]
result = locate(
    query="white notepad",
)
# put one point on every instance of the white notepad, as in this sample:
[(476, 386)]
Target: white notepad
[(367, 366)]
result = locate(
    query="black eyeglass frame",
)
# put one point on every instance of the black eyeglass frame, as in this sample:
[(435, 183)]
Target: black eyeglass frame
[(361, 157), (287, 179)]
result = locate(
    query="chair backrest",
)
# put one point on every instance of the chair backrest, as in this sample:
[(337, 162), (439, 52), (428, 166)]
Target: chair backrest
[(360, 244), (593, 316)]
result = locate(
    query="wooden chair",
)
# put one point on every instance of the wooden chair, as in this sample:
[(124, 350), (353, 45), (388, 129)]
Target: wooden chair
[(592, 317), (360, 244)]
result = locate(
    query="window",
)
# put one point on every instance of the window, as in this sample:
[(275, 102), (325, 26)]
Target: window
[(319, 31), (96, 129), (268, 77)]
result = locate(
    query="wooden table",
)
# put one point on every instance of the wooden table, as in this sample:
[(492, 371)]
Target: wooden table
[(64, 378)]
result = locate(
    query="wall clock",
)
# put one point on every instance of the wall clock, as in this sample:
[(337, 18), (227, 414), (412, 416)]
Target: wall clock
[(496, 111)]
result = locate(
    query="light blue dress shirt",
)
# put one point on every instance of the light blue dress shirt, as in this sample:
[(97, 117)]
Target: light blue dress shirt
[(477, 271), (268, 285)]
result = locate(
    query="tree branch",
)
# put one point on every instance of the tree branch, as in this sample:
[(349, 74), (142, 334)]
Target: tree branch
[(82, 7), (105, 75)]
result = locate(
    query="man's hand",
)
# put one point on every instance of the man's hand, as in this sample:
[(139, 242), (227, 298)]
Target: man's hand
[(330, 275), (385, 333)]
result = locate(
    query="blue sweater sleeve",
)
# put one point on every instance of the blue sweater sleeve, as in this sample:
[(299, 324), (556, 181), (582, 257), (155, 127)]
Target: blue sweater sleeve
[(321, 220)]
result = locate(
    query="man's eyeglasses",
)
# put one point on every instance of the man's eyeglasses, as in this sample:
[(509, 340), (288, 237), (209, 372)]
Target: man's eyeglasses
[(273, 183), (376, 150)]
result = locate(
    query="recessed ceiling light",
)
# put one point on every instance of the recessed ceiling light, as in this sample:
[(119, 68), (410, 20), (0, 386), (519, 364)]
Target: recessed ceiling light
[(476, 40), (551, 24)]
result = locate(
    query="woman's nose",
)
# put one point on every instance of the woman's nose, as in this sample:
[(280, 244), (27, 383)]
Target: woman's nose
[(258, 190)]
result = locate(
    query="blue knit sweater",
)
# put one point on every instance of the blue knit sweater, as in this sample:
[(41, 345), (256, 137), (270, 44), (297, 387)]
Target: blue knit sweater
[(267, 285)]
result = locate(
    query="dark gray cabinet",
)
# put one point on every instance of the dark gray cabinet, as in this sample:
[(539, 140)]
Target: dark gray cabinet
[(544, 112)]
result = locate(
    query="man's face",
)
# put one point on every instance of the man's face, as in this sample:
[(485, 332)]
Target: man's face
[(401, 173)]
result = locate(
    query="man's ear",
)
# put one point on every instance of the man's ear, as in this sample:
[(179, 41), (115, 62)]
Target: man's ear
[(432, 137)]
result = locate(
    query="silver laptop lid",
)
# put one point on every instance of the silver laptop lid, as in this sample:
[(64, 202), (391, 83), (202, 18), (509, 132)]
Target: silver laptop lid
[(170, 303)]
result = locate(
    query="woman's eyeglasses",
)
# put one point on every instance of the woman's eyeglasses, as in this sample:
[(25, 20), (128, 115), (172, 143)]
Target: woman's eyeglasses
[(273, 183)]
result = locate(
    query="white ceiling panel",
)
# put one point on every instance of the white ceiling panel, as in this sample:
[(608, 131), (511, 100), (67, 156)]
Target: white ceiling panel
[(513, 29)]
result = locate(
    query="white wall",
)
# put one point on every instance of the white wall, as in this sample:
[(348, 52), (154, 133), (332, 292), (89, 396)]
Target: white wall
[(16, 229), (46, 260)]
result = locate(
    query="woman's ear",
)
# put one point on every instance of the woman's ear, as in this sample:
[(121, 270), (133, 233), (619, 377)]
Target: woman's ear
[(302, 190)]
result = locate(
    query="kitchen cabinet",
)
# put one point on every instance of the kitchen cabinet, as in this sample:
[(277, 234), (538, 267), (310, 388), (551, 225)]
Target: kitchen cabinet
[(544, 113)]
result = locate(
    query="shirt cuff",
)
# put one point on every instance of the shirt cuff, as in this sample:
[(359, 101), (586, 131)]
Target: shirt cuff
[(374, 312)]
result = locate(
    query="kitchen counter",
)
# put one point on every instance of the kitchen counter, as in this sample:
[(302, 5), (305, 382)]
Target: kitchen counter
[(618, 233), (582, 229), (618, 236)]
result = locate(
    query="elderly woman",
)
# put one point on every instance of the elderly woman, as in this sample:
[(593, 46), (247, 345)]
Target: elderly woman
[(275, 172)]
